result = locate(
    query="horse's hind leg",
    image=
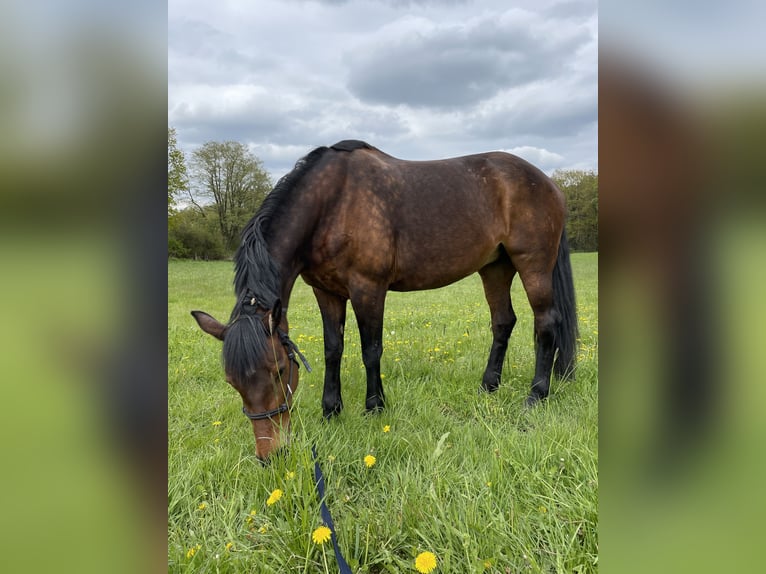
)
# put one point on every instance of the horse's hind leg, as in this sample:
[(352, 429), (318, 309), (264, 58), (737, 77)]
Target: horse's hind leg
[(368, 301), (497, 278), (333, 309), (539, 287)]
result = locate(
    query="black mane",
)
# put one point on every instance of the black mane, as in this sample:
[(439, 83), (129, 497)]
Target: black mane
[(351, 145), (257, 275)]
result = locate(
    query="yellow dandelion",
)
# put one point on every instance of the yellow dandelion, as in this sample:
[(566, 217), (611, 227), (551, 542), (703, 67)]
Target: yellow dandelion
[(193, 550), (229, 546), (425, 562), (321, 535), (370, 461), (264, 529), (217, 423), (387, 428), (274, 497), (202, 506), (542, 510), (290, 475), (487, 565)]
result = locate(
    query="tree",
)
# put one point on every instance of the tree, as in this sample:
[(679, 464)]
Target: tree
[(178, 179), (581, 190), (236, 182)]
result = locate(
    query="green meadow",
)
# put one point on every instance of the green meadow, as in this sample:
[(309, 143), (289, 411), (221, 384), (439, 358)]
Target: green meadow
[(480, 481)]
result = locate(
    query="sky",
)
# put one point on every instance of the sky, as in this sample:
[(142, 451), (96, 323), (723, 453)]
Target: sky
[(419, 79)]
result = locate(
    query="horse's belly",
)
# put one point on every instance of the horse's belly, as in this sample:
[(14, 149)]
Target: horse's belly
[(432, 272)]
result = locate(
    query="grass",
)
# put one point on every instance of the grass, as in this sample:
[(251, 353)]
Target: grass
[(482, 482)]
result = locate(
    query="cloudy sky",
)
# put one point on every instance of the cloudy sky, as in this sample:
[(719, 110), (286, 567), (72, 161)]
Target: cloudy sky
[(420, 79)]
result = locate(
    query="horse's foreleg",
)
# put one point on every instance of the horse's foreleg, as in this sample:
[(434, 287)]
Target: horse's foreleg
[(333, 310), (368, 307), (497, 278)]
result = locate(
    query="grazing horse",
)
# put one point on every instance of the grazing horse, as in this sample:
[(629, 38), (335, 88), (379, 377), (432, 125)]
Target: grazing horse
[(354, 223)]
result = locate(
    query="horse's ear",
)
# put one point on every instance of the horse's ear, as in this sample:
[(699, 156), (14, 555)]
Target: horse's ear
[(276, 313), (210, 325)]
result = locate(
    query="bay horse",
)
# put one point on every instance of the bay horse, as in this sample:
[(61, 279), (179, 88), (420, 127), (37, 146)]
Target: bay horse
[(354, 223)]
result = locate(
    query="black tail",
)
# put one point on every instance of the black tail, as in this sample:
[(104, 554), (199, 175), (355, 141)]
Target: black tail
[(564, 302)]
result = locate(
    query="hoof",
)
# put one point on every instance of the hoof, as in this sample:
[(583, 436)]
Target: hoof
[(533, 399), (332, 412), (374, 406)]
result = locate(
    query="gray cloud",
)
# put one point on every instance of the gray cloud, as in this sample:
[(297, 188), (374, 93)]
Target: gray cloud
[(419, 79), (545, 111), (456, 65)]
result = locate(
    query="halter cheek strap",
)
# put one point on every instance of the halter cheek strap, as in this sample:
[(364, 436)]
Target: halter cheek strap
[(292, 350)]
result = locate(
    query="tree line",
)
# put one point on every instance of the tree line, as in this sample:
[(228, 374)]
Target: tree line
[(216, 192)]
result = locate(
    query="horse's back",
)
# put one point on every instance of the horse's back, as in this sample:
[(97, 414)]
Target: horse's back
[(425, 224)]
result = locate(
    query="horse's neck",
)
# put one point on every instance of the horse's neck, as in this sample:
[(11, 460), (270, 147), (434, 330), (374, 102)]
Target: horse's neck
[(288, 235)]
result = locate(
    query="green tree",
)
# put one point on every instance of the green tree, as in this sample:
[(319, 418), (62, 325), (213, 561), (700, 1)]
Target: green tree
[(581, 190), (178, 179), (227, 174)]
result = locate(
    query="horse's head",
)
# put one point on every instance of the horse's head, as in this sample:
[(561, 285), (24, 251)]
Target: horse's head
[(260, 362)]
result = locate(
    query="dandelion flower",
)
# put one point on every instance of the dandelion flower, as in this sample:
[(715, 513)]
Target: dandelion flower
[(202, 506), (370, 461), (193, 550), (216, 423), (274, 497), (290, 475), (229, 546), (387, 428), (425, 562), (321, 535), (263, 529)]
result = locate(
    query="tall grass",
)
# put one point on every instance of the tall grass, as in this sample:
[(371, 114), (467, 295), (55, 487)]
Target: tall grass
[(484, 483)]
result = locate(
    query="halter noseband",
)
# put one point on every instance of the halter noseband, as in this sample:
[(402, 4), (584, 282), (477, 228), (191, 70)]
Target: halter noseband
[(292, 350)]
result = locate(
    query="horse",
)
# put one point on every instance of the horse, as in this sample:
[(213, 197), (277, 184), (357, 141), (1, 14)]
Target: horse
[(354, 223)]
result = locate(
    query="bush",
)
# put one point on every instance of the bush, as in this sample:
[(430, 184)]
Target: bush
[(193, 235)]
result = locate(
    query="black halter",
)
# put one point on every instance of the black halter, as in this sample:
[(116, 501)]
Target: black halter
[(292, 350)]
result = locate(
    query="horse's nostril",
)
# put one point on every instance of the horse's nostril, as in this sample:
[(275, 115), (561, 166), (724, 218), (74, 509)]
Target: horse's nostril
[(280, 453), (264, 460), (277, 453)]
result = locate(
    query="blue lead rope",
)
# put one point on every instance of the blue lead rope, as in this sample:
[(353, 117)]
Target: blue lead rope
[(326, 516)]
